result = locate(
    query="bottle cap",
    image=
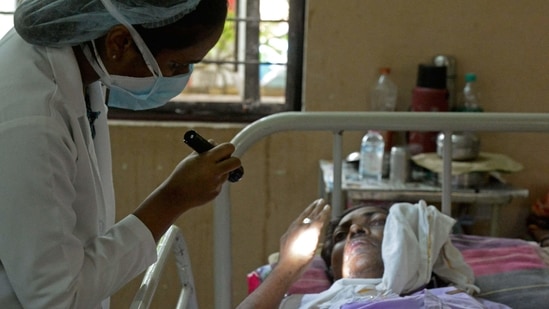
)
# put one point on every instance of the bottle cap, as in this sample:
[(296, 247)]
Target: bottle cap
[(385, 70), (446, 61), (431, 76), (470, 77)]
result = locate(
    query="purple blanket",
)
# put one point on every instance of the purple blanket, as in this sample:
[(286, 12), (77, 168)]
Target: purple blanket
[(432, 298)]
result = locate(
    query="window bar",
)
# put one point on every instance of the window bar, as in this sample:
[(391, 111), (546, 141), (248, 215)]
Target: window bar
[(251, 71), (236, 62), (247, 19), (296, 36)]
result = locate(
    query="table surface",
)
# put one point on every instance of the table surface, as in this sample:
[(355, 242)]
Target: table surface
[(385, 190)]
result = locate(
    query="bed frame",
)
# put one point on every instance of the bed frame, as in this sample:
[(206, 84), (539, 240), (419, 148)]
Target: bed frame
[(171, 242), (338, 123)]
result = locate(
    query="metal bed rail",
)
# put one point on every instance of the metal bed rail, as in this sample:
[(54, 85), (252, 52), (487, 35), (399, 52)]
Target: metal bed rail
[(172, 241), (337, 123)]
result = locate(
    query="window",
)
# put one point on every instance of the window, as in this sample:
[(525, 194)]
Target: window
[(6, 16), (253, 71)]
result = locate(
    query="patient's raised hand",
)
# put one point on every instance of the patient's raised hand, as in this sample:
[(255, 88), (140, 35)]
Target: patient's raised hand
[(298, 245), (297, 249)]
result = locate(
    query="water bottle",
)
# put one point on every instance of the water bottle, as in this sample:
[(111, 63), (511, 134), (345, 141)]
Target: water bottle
[(384, 92), (383, 98), (471, 95), (371, 156)]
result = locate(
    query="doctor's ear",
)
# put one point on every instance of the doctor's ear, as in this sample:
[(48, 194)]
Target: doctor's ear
[(118, 42)]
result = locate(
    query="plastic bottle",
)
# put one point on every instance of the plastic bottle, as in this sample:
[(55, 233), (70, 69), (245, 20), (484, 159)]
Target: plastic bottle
[(471, 95), (383, 98), (384, 93), (371, 156)]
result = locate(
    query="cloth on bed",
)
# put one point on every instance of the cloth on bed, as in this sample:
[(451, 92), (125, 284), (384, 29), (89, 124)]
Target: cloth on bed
[(509, 271), (346, 291), (446, 298)]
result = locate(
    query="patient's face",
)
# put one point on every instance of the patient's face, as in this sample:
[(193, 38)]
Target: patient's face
[(357, 244)]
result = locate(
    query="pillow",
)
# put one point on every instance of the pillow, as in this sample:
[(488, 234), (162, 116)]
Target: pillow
[(313, 280), (257, 276), (511, 271)]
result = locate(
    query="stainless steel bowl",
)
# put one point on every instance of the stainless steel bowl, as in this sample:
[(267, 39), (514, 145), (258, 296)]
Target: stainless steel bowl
[(465, 146)]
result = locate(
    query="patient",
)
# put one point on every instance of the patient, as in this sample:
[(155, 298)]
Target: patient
[(401, 258)]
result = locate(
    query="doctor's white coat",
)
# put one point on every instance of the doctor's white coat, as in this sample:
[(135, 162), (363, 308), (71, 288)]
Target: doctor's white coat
[(59, 246)]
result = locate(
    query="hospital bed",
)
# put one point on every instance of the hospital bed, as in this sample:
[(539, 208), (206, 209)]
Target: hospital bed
[(340, 122)]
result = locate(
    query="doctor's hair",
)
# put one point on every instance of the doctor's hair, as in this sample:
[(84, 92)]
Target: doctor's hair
[(192, 28)]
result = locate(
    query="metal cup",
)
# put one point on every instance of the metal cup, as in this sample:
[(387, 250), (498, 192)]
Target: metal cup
[(399, 165)]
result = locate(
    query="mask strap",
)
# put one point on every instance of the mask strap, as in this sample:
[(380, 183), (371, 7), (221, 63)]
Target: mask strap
[(100, 61), (96, 63), (145, 52)]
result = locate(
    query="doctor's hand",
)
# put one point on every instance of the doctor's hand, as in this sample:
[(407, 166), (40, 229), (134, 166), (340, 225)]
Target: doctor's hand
[(196, 180)]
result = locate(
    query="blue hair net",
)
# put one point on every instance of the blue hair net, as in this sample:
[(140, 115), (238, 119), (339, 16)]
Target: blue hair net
[(70, 22)]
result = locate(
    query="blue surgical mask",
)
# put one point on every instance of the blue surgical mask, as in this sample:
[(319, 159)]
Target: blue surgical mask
[(139, 93), (136, 93)]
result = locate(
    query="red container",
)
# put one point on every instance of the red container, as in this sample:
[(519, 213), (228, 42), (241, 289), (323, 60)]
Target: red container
[(426, 100), (429, 100)]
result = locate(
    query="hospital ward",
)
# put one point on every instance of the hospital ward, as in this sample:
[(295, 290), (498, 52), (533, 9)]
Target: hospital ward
[(288, 154)]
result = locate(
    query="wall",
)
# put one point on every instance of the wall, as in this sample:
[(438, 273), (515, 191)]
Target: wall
[(505, 42)]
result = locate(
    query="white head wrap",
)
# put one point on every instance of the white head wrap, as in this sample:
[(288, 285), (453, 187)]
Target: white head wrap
[(59, 23), (416, 243)]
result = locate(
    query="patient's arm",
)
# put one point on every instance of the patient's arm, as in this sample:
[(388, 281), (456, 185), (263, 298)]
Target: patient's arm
[(297, 249)]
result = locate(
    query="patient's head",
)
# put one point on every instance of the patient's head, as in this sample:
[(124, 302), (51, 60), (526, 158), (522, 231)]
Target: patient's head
[(352, 246)]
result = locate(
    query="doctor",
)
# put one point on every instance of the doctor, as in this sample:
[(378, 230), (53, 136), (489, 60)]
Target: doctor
[(59, 244)]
